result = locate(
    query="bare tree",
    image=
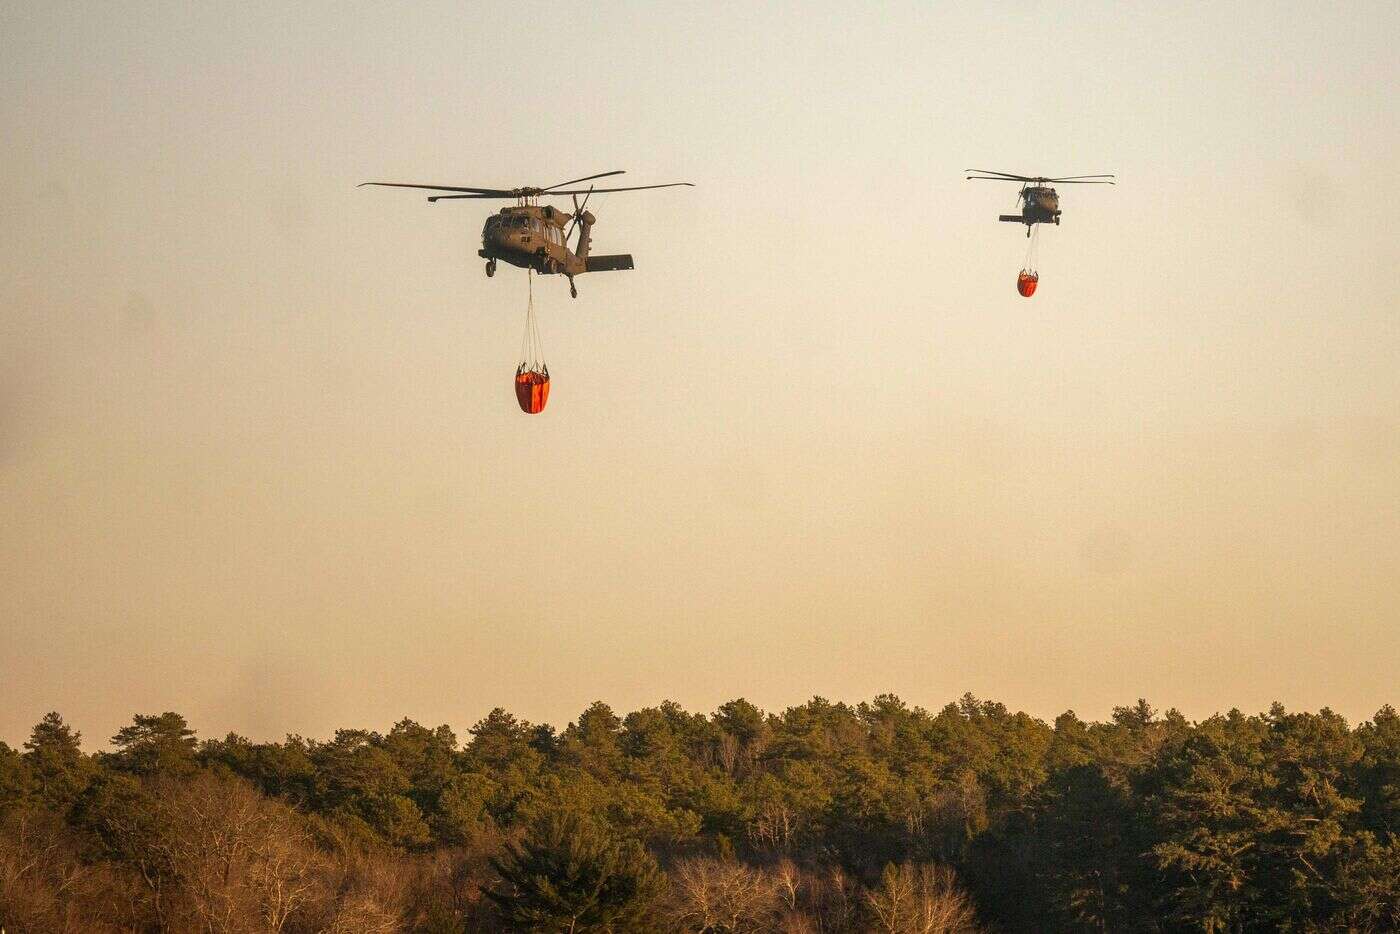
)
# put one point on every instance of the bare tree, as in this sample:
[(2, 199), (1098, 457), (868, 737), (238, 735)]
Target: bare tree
[(796, 891), (361, 913), (47, 886), (923, 899), (788, 884), (774, 826), (728, 751), (42, 880), (217, 856), (836, 901), (710, 895)]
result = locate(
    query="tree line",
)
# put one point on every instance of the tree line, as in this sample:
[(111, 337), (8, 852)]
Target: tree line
[(826, 817)]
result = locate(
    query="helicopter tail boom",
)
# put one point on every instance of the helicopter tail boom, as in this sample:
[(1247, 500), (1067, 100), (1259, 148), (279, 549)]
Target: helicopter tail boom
[(1012, 218)]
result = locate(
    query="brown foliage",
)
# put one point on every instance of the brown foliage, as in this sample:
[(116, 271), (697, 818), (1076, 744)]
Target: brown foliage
[(709, 896), (210, 854), (46, 888), (213, 855)]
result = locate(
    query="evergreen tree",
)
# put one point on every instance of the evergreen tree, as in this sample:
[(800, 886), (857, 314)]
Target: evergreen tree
[(1277, 821), (161, 744), (568, 874), (56, 762), (16, 783), (358, 782)]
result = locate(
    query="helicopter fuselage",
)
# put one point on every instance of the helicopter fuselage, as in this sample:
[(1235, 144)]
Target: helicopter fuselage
[(531, 237), (535, 237), (1039, 205)]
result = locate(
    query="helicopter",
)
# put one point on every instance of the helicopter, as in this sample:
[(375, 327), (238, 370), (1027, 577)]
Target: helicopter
[(534, 237), (1039, 203)]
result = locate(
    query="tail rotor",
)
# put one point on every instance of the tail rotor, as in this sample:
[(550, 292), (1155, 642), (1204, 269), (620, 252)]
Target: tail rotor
[(579, 214)]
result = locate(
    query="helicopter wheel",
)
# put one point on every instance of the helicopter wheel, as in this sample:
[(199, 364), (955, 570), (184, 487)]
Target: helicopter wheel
[(490, 268), (573, 289)]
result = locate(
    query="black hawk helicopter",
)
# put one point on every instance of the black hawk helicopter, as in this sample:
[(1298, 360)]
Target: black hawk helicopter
[(534, 237), (1039, 203)]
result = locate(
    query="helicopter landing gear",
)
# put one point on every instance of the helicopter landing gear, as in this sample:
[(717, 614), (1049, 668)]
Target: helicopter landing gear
[(573, 289), (490, 268)]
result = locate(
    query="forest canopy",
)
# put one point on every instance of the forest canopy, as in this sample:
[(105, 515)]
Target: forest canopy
[(825, 817)]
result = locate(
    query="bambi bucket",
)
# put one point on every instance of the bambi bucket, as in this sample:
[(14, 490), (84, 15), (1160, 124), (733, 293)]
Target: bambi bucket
[(1026, 282), (531, 390)]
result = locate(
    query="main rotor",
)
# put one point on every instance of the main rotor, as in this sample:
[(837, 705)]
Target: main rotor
[(527, 195), (989, 176)]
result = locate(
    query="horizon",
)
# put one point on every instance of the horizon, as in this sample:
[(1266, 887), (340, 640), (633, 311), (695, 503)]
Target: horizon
[(463, 737)]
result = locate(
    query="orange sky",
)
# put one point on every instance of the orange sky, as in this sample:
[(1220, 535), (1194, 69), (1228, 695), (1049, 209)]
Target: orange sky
[(260, 461)]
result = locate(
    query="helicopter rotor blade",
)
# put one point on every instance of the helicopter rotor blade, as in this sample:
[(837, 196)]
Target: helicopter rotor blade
[(578, 212), (586, 178), (989, 176), (436, 198), (518, 192), (1019, 178), (482, 192), (584, 191)]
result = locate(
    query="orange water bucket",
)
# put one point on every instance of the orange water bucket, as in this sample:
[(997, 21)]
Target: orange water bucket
[(1026, 282), (532, 390)]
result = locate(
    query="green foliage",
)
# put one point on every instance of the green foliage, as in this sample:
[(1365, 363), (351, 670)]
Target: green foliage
[(568, 873), (155, 744), (56, 762), (1144, 822), (120, 814), (1088, 844), (1378, 771), (16, 781), (280, 769), (461, 816), (357, 779)]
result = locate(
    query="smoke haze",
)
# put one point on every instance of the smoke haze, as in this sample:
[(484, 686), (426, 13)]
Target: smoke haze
[(260, 461)]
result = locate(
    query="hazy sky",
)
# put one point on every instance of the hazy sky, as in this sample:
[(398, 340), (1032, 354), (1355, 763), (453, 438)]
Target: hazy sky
[(260, 460)]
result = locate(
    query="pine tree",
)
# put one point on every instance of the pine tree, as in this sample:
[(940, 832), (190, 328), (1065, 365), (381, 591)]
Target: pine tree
[(155, 744), (56, 762), (570, 874)]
